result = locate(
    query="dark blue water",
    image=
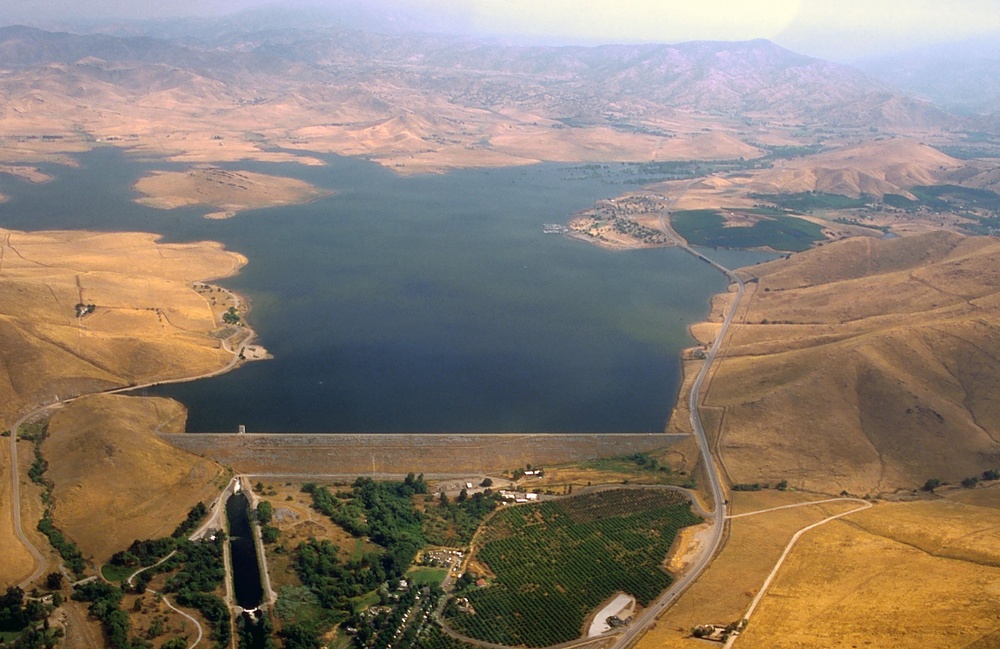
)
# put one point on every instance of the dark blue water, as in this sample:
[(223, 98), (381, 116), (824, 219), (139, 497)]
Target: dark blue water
[(429, 303), (247, 585)]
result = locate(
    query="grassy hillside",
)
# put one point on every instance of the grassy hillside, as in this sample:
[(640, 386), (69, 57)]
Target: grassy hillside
[(115, 479), (147, 324), (866, 365)]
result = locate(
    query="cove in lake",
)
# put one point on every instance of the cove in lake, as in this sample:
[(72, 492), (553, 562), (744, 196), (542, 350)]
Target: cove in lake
[(430, 303)]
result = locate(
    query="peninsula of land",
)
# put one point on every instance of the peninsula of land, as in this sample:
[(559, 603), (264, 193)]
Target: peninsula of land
[(84, 313)]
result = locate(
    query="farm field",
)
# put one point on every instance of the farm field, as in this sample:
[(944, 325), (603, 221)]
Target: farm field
[(554, 562), (779, 232)]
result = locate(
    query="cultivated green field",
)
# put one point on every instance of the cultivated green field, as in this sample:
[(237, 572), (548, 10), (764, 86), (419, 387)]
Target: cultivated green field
[(556, 561), (779, 232)]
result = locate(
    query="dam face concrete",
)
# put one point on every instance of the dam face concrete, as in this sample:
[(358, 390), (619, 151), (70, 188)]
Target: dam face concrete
[(398, 454)]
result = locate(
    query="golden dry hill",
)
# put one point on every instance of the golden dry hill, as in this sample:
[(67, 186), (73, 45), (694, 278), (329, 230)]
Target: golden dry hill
[(872, 169), (229, 192), (899, 574), (147, 324), (866, 365), (115, 479)]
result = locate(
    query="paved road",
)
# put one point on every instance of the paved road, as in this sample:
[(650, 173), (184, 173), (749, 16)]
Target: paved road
[(15, 506), (718, 516), (58, 403)]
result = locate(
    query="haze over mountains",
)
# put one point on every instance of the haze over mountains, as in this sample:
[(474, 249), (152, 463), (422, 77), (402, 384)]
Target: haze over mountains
[(963, 77), (404, 98)]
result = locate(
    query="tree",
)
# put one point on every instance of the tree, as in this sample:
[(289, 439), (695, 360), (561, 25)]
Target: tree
[(269, 534), (300, 636), (991, 474), (264, 512), (463, 495), (54, 580), (487, 482), (12, 614), (931, 484), (969, 483)]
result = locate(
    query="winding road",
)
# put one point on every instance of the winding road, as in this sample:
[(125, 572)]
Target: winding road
[(718, 515), (15, 504), (15, 498), (197, 624)]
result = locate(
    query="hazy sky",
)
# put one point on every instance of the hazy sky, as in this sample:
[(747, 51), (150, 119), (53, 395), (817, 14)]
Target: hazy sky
[(838, 29)]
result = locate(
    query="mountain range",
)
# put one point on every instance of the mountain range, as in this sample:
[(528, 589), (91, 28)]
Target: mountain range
[(617, 85)]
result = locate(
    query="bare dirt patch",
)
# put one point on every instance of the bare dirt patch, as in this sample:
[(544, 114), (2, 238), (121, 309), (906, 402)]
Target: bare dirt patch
[(30, 174)]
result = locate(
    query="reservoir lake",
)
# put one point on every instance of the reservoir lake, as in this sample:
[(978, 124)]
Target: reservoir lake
[(430, 303)]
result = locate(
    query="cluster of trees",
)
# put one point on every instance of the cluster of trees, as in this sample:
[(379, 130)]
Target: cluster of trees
[(19, 614), (647, 462), (194, 517), (968, 483), (342, 509), (16, 613), (68, 550), (757, 486), (299, 635), (202, 572), (105, 604), (318, 566), (198, 572), (143, 553), (231, 316), (455, 522), (382, 511), (255, 635), (263, 515), (148, 552)]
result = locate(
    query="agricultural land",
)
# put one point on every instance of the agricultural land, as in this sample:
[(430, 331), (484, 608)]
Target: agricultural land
[(851, 410)]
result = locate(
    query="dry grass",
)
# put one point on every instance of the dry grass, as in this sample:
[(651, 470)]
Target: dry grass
[(30, 174), (726, 589), (893, 344), (17, 564), (229, 192), (888, 576), (909, 574), (148, 323), (115, 479), (873, 168)]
